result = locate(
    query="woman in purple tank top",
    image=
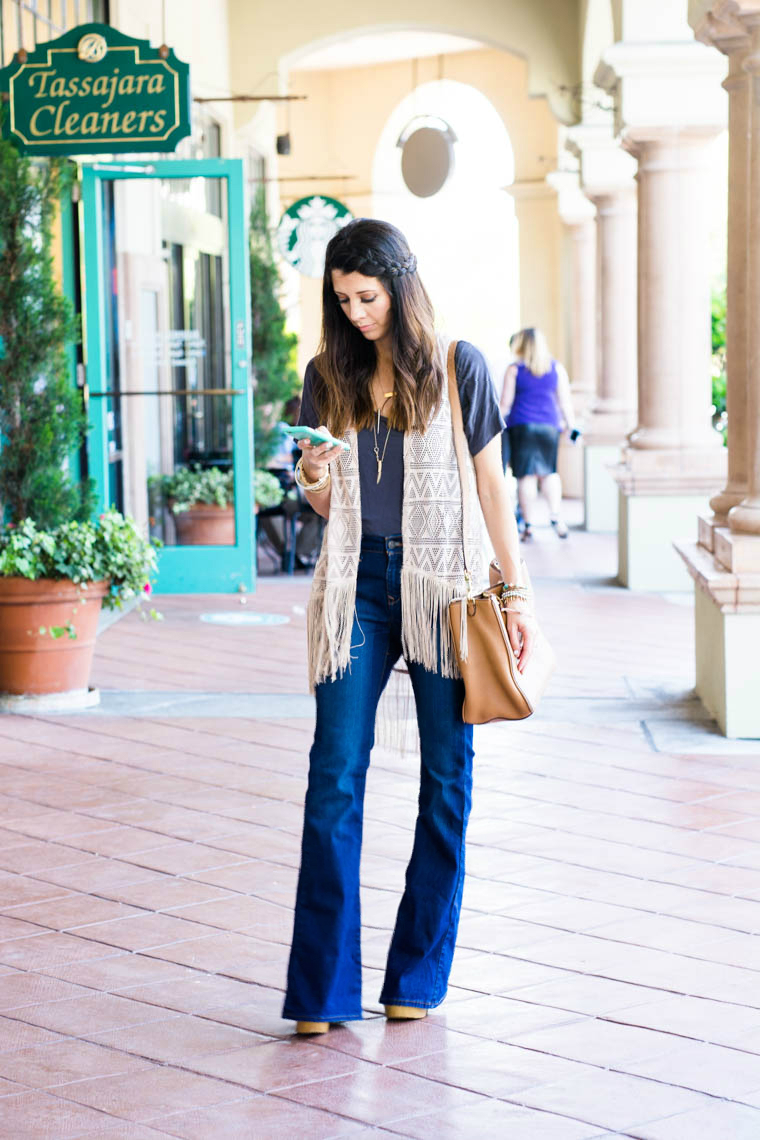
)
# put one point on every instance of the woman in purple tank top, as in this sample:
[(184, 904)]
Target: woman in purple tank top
[(536, 404)]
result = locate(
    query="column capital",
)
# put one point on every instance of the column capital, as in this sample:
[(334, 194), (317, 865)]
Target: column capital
[(605, 168), (574, 206), (662, 84), (669, 147), (724, 24), (531, 188), (719, 24)]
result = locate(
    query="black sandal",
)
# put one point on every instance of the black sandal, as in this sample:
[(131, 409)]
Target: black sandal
[(560, 528)]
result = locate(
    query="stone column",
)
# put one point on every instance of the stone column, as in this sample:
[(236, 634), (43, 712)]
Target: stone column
[(540, 246), (614, 411), (615, 406), (725, 563), (674, 292), (669, 107), (607, 180), (581, 232), (738, 87), (744, 519), (579, 247)]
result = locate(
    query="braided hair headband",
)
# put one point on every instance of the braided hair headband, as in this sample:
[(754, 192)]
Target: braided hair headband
[(388, 268)]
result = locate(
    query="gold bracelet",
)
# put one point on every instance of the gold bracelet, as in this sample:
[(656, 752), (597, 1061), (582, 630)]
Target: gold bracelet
[(319, 485)]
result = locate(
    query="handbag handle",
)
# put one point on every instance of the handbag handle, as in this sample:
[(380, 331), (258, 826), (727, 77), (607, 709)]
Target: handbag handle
[(460, 443)]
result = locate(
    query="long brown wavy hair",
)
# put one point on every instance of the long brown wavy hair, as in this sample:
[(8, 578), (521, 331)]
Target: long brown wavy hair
[(346, 361)]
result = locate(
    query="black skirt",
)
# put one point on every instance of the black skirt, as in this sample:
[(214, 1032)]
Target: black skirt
[(533, 449)]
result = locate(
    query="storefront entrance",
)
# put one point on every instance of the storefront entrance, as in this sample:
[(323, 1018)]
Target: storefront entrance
[(167, 343)]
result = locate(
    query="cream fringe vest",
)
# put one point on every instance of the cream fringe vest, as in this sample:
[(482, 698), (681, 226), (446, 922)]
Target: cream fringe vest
[(432, 572)]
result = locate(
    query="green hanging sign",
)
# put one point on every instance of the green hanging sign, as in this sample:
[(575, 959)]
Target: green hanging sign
[(95, 90)]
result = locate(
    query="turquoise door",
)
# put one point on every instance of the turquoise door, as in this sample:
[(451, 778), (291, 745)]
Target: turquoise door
[(167, 344)]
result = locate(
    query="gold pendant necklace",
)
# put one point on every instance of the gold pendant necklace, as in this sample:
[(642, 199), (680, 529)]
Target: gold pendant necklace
[(375, 429)]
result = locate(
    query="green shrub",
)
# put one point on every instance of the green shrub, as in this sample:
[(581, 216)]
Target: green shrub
[(718, 323), (267, 489), (110, 547), (42, 421), (276, 379)]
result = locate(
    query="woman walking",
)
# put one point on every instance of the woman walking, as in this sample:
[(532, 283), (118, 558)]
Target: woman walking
[(536, 402), (390, 564)]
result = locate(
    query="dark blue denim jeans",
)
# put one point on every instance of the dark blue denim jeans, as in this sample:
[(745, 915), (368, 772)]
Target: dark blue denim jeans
[(324, 974)]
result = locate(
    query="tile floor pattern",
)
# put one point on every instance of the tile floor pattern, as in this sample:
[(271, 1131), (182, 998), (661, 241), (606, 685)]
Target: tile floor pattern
[(606, 981)]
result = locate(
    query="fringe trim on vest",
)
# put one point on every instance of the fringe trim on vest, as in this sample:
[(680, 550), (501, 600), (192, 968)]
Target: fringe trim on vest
[(396, 721), (329, 624), (425, 608)]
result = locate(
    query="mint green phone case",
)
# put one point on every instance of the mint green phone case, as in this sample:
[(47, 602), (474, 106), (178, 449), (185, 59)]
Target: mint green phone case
[(314, 435)]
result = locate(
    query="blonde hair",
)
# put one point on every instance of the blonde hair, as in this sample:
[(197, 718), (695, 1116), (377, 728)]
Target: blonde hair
[(531, 348)]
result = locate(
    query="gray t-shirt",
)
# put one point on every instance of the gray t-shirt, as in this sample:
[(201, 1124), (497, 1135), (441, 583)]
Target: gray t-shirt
[(382, 502)]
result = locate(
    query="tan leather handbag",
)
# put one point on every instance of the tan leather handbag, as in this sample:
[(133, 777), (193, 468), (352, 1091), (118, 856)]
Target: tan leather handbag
[(495, 689)]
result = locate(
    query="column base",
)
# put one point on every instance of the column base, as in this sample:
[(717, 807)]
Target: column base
[(727, 626), (570, 468), (600, 496), (648, 524), (745, 519), (659, 494)]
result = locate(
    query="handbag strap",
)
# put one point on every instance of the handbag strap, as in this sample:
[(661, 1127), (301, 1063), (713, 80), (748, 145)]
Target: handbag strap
[(460, 447)]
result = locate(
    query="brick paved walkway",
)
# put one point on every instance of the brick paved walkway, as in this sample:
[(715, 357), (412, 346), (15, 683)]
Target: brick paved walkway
[(606, 981)]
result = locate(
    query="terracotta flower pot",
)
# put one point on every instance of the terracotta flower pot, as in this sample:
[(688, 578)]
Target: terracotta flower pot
[(32, 662), (205, 524)]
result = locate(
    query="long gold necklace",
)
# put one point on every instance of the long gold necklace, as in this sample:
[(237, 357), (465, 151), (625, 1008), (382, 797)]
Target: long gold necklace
[(375, 429)]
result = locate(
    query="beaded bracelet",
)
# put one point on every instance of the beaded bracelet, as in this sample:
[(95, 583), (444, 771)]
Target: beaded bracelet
[(319, 485)]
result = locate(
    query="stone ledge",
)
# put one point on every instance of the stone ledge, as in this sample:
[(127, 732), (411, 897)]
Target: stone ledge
[(705, 530), (732, 593), (738, 553)]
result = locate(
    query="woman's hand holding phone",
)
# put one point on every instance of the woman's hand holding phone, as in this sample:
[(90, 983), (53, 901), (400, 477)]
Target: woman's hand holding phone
[(317, 457)]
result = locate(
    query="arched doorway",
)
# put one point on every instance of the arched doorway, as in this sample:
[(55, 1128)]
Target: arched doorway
[(465, 236)]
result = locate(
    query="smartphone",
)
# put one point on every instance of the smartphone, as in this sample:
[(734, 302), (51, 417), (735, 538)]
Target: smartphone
[(314, 435), (575, 434)]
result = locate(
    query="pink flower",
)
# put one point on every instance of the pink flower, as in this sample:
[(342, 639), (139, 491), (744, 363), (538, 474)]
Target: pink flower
[(147, 587)]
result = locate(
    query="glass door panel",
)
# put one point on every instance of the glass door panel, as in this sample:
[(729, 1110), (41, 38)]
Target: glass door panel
[(167, 362)]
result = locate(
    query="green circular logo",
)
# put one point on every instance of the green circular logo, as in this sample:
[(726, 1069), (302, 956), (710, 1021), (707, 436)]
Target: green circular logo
[(306, 228)]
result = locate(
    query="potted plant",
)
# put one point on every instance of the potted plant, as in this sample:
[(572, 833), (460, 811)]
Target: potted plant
[(52, 585), (56, 566), (202, 502)]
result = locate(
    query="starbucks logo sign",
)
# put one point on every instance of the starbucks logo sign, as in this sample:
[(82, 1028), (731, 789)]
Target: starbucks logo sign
[(306, 228)]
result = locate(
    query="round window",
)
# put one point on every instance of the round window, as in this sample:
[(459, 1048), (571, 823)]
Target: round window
[(427, 160)]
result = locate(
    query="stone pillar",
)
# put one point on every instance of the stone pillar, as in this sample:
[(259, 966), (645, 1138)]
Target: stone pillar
[(669, 106), (540, 251), (737, 314), (725, 562), (614, 412), (607, 176), (675, 458), (745, 517), (577, 215)]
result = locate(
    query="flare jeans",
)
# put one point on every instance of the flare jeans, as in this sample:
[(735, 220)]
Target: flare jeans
[(324, 973)]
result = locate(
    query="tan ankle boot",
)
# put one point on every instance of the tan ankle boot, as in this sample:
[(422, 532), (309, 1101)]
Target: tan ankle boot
[(307, 1028), (404, 1012)]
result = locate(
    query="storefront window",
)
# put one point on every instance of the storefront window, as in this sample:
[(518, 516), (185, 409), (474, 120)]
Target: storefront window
[(25, 23)]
